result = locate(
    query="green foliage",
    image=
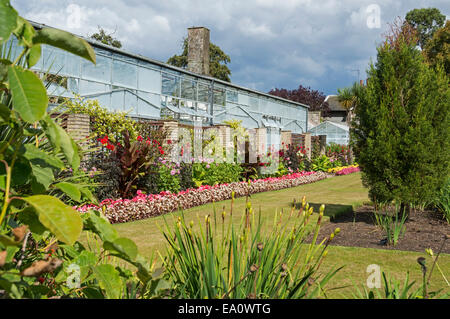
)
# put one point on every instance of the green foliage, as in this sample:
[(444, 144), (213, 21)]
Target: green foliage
[(40, 255), (168, 178), (28, 93), (186, 176), (8, 16), (426, 21), (437, 50), (217, 64), (321, 163), (442, 200), (210, 173), (105, 38), (103, 122), (401, 131), (282, 170), (223, 261)]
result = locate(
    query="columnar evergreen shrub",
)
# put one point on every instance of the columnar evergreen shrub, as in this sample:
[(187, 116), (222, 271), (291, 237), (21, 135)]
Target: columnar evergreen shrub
[(401, 131)]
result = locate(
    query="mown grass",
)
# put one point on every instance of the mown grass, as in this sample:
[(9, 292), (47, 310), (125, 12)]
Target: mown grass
[(394, 262), (339, 194)]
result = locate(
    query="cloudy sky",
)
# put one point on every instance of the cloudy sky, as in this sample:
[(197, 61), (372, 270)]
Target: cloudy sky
[(272, 43)]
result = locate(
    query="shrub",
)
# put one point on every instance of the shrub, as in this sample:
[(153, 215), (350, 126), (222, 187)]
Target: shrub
[(107, 177), (321, 163), (168, 177), (103, 121), (401, 130), (292, 157), (210, 173), (186, 181)]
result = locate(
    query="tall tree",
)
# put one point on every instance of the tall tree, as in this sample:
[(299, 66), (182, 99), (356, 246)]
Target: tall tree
[(217, 64), (437, 50), (426, 21), (106, 38), (314, 98), (401, 132)]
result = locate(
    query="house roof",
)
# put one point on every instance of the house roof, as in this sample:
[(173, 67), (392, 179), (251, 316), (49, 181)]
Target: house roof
[(326, 123), (334, 104)]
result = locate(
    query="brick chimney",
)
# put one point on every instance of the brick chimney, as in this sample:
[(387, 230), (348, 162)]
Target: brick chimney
[(198, 50)]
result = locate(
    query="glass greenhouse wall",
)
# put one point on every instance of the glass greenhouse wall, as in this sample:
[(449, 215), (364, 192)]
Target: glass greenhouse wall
[(151, 89), (336, 133)]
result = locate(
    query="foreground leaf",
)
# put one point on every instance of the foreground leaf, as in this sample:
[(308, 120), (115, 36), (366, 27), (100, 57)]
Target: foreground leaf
[(8, 18), (100, 226), (109, 280), (125, 247), (70, 190), (65, 41), (28, 92), (63, 221), (61, 141)]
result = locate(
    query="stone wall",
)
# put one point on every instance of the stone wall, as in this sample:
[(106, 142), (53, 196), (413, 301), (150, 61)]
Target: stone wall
[(78, 126)]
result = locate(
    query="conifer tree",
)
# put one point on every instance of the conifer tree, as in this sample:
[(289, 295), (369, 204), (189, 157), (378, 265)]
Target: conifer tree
[(401, 129)]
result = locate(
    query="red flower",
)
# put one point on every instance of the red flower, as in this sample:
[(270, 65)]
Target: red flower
[(103, 140), (41, 280), (169, 142), (139, 138), (110, 147)]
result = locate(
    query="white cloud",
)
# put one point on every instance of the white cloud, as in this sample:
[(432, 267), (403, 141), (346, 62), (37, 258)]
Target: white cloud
[(248, 27)]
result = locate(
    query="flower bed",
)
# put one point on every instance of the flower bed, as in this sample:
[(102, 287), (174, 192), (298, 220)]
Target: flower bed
[(144, 206), (344, 170)]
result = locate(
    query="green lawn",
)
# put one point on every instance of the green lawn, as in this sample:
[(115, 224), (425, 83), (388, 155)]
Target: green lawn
[(342, 193), (339, 194)]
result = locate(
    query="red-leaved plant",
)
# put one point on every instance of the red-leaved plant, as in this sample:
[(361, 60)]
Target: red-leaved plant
[(135, 160)]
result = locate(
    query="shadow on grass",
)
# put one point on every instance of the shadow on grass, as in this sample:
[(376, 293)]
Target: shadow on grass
[(331, 210)]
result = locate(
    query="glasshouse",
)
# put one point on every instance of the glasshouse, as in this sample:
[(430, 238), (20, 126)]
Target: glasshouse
[(150, 89), (335, 132)]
